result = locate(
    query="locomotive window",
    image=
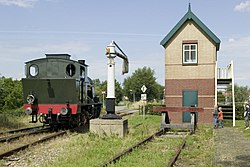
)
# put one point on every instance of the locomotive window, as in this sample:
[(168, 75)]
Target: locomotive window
[(82, 71), (33, 70), (70, 70)]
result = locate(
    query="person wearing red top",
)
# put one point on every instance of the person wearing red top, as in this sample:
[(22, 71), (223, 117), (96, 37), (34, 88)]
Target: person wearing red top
[(220, 117)]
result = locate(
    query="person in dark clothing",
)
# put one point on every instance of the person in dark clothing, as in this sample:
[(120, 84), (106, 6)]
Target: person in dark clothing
[(246, 116), (215, 116)]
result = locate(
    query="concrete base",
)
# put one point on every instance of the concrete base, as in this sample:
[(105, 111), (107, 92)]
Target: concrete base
[(109, 127)]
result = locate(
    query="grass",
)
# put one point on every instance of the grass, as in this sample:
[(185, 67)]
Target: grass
[(240, 125), (199, 148), (154, 154), (90, 150), (10, 121)]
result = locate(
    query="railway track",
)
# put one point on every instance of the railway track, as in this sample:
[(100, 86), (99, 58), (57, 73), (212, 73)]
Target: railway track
[(175, 157), (43, 139), (125, 112), (148, 139), (31, 132), (127, 151), (22, 130)]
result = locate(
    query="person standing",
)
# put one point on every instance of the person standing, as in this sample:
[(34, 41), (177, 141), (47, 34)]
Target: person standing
[(246, 116), (220, 117), (215, 116)]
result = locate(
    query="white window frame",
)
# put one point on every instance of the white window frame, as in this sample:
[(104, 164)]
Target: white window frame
[(189, 51)]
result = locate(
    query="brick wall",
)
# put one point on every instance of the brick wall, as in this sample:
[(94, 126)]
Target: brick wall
[(206, 91)]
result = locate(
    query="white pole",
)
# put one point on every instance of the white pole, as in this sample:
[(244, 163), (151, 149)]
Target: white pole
[(111, 79), (232, 74), (110, 100)]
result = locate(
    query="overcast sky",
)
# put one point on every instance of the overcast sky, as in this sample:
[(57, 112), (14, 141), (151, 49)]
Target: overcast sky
[(83, 28)]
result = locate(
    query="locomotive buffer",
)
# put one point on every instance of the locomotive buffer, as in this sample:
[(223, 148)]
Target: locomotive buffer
[(110, 99)]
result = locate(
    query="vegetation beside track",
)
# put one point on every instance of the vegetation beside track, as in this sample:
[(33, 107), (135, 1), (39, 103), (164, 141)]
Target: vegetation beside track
[(199, 148), (240, 125), (91, 150), (86, 149), (14, 120)]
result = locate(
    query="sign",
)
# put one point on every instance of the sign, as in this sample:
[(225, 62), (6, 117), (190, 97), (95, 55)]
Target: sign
[(144, 97), (143, 88)]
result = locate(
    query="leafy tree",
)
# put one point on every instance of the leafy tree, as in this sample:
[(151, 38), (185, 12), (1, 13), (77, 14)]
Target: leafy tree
[(1, 94), (242, 93), (142, 76), (11, 94), (118, 92), (101, 87)]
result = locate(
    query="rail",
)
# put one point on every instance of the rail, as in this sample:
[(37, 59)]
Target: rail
[(127, 151), (17, 136), (46, 138), (22, 129)]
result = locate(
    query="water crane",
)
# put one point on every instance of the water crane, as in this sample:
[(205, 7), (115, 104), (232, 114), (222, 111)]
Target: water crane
[(110, 99)]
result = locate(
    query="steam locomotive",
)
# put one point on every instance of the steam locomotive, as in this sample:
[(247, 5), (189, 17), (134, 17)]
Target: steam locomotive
[(58, 91)]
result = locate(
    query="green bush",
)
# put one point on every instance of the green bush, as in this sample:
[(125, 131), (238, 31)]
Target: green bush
[(12, 119), (149, 109)]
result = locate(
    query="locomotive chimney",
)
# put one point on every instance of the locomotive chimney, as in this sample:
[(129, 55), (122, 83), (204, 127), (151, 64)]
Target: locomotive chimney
[(81, 62)]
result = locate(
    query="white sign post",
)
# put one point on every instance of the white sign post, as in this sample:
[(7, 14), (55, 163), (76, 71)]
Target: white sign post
[(143, 98)]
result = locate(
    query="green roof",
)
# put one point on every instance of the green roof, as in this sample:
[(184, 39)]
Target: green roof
[(187, 17)]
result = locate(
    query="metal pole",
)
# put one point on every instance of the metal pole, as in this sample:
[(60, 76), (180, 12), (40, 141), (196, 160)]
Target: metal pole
[(103, 93), (110, 99), (134, 97), (143, 110)]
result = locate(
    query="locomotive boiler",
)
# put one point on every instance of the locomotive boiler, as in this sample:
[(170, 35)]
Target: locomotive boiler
[(58, 91)]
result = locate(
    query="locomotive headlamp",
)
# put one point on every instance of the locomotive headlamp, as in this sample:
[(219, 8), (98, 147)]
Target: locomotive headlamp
[(30, 99), (28, 111), (64, 111)]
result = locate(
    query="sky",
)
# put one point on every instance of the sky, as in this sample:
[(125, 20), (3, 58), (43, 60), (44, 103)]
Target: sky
[(29, 29)]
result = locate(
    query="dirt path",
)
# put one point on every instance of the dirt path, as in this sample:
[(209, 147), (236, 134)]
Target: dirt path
[(232, 148)]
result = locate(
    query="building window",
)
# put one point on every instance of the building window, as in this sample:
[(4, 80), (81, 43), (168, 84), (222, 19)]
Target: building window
[(190, 53)]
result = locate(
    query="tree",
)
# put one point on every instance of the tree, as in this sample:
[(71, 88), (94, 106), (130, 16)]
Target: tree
[(101, 87), (11, 94), (142, 76), (242, 93), (1, 94)]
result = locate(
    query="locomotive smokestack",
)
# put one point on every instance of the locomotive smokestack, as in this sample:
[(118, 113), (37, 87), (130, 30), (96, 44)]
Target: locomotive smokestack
[(81, 62)]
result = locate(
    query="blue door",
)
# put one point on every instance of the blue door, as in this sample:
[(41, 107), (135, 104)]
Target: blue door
[(189, 99)]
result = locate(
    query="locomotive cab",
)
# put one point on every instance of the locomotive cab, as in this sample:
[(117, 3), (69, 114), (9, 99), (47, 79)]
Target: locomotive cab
[(57, 90)]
